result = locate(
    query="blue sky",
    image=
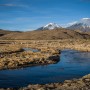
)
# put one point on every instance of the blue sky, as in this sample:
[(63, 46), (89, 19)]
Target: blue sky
[(31, 14)]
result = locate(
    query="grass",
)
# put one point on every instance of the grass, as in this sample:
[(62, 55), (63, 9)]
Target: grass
[(11, 55)]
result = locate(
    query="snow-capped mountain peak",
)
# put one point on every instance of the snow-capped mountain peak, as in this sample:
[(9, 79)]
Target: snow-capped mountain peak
[(49, 26), (85, 21), (52, 26), (83, 24)]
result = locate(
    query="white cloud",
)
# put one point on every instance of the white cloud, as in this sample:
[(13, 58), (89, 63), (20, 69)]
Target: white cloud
[(13, 5)]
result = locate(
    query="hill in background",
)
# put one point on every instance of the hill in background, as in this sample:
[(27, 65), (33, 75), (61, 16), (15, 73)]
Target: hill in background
[(47, 35)]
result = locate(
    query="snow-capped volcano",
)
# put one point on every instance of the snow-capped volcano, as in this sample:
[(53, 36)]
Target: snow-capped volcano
[(83, 24), (49, 26)]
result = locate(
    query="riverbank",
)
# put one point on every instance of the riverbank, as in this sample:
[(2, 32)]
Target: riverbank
[(12, 56), (19, 59), (74, 84)]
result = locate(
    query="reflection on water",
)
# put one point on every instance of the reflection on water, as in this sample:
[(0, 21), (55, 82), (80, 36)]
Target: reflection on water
[(73, 64), (30, 49)]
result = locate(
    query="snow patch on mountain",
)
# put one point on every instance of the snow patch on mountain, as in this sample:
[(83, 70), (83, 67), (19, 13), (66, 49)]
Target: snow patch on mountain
[(50, 26), (83, 24)]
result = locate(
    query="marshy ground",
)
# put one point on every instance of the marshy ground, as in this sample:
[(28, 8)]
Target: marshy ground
[(13, 55)]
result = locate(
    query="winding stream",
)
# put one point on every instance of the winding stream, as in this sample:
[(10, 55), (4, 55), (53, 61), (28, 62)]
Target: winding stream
[(73, 64)]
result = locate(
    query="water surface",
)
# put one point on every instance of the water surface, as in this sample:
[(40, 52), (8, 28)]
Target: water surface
[(73, 64), (30, 49)]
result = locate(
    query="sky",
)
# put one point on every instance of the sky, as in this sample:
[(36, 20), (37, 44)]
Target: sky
[(26, 15)]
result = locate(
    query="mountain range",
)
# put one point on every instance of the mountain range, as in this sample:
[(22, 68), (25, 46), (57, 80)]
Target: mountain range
[(83, 25), (51, 31)]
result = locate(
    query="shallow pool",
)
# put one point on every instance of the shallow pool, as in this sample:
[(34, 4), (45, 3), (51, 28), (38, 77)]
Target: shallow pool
[(30, 49)]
